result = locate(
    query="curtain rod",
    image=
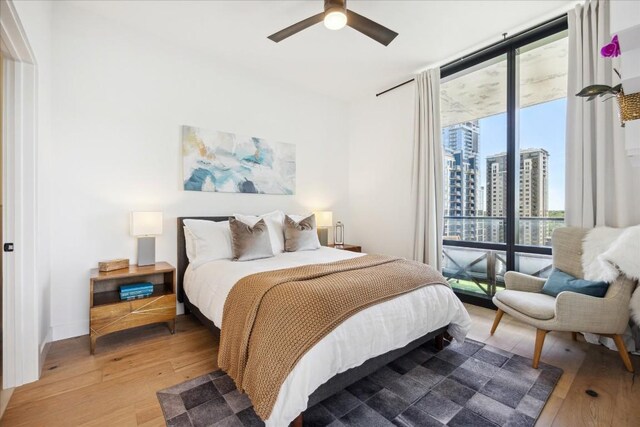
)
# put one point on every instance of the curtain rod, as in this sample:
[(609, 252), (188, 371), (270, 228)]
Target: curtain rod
[(562, 19)]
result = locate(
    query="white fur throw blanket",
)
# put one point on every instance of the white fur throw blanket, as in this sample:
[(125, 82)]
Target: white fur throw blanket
[(609, 252)]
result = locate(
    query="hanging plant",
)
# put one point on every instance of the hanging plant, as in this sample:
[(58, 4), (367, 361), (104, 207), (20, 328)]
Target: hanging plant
[(629, 104)]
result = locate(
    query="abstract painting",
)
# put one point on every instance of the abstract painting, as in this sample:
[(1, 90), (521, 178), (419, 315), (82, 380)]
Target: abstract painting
[(229, 163)]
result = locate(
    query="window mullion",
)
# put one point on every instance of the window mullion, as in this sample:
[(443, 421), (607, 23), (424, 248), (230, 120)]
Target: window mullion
[(513, 163)]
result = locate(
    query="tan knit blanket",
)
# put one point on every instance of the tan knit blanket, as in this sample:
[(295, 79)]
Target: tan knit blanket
[(272, 319)]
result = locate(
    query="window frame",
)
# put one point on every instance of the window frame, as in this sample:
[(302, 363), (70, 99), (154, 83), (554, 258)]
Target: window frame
[(509, 46)]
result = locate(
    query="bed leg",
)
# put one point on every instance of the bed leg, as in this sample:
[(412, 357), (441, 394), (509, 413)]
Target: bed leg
[(439, 341), (297, 422)]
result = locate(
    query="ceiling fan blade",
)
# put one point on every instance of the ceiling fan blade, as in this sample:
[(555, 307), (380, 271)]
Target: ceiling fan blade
[(295, 28), (369, 28)]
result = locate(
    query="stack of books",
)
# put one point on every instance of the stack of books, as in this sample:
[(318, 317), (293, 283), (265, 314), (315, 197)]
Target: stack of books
[(136, 291)]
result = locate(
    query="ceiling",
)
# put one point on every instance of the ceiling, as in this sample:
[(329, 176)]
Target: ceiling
[(341, 64), (482, 91)]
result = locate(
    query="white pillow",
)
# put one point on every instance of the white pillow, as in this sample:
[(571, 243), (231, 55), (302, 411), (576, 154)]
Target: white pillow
[(275, 224), (212, 239), (189, 244)]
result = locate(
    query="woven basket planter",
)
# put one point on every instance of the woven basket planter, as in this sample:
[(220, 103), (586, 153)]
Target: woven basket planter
[(629, 106)]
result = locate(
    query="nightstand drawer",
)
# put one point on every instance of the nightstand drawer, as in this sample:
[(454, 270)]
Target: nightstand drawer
[(116, 317)]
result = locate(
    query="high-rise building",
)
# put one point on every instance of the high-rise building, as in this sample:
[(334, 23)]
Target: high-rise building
[(481, 206), (463, 136), (461, 172), (534, 193), (534, 196), (496, 196), (496, 185), (481, 211), (534, 182), (449, 183)]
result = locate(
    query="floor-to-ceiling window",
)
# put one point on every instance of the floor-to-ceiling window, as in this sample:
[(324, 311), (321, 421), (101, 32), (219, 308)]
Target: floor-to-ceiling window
[(503, 133)]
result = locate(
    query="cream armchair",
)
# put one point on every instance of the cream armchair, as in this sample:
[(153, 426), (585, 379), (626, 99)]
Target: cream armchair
[(569, 311)]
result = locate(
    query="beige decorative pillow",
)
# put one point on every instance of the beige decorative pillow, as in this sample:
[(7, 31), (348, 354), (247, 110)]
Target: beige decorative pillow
[(249, 242), (302, 235), (275, 222)]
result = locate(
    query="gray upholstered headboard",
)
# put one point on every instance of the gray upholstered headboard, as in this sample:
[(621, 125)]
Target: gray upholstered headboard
[(183, 261)]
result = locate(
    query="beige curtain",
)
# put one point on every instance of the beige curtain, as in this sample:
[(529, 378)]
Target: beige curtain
[(427, 173), (601, 184)]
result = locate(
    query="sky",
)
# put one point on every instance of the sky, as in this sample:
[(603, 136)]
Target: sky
[(541, 126)]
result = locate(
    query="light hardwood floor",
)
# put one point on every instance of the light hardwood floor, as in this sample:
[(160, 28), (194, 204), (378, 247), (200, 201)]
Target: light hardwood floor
[(117, 386)]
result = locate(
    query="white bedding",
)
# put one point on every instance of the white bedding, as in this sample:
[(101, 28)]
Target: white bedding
[(369, 333)]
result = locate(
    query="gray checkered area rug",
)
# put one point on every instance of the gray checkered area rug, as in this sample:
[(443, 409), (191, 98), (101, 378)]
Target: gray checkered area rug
[(468, 384)]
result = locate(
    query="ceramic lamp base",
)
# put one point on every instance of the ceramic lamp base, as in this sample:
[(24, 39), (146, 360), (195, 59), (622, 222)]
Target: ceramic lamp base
[(323, 236), (146, 251)]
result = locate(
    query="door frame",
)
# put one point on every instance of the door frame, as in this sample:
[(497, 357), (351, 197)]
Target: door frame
[(21, 315)]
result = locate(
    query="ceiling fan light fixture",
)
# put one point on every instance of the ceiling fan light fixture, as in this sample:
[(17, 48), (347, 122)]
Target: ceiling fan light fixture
[(335, 19), (336, 16)]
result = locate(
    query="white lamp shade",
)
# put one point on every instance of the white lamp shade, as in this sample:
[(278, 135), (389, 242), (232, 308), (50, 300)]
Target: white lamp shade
[(146, 223), (324, 219)]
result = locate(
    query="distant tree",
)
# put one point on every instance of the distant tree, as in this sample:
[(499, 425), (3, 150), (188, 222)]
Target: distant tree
[(556, 214)]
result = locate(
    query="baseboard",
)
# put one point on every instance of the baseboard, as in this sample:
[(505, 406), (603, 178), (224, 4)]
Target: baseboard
[(69, 330), (44, 349), (5, 395)]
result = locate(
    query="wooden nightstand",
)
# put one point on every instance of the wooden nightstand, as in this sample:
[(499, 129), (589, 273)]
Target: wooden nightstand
[(109, 314), (350, 248)]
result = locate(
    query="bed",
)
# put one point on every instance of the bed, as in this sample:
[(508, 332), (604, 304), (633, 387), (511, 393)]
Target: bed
[(353, 350)]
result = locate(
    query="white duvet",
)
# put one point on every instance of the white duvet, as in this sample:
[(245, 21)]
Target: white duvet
[(369, 333)]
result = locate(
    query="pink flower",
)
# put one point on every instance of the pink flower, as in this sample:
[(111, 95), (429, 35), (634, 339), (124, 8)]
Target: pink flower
[(612, 49)]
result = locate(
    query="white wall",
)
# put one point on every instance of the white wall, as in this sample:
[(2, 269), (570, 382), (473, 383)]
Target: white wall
[(120, 98), (380, 153), (625, 22), (36, 18)]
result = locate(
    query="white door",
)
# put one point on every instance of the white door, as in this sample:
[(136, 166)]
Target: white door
[(20, 314)]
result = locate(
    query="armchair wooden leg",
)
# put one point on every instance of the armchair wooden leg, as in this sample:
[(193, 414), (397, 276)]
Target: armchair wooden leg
[(624, 354), (540, 334), (574, 336), (497, 320)]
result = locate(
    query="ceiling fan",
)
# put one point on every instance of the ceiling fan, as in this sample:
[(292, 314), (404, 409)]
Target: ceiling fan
[(336, 16)]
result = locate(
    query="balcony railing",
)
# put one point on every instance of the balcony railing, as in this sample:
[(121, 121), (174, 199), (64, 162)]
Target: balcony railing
[(481, 271), (474, 270)]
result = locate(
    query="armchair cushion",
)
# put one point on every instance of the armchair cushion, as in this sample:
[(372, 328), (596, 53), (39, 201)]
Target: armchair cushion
[(560, 281), (532, 304)]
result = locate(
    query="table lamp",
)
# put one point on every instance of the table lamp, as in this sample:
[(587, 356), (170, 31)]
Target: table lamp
[(324, 220), (145, 226)]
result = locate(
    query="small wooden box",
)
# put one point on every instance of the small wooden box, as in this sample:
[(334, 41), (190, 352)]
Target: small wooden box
[(114, 264)]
